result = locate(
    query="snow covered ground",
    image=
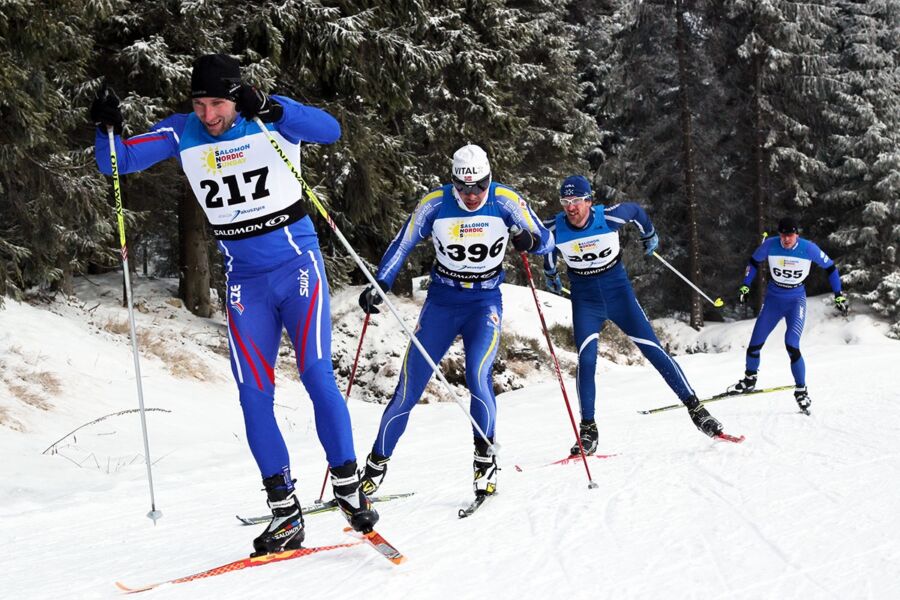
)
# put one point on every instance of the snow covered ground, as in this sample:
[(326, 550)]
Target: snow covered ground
[(807, 507)]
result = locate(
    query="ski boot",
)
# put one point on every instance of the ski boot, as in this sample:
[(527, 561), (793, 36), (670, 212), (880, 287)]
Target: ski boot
[(372, 476), (485, 469), (352, 501), (802, 398), (589, 437), (285, 530), (704, 421), (745, 385)]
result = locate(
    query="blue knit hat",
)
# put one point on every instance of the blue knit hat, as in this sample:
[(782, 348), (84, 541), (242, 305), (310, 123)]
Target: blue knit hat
[(575, 186)]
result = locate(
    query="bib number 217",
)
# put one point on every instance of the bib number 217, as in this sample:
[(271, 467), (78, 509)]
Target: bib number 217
[(256, 178)]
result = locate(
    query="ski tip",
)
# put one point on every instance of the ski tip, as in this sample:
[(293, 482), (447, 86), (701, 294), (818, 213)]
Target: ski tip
[(131, 590), (730, 438)]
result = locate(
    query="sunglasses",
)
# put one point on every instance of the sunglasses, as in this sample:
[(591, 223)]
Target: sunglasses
[(477, 187), (573, 200)]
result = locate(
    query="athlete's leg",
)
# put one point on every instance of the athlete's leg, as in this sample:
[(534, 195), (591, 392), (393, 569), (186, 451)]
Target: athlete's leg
[(796, 318), (305, 311), (254, 331), (481, 340), (588, 316), (435, 331), (766, 321), (625, 312)]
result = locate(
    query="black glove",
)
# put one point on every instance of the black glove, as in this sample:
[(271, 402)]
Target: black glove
[(369, 299), (841, 303), (744, 292), (251, 102), (105, 111), (523, 240)]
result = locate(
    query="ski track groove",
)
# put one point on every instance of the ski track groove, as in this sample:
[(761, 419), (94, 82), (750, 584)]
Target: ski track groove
[(785, 558)]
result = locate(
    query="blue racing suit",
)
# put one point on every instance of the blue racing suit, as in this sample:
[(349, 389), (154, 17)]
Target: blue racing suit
[(463, 298), (275, 277), (786, 297), (601, 290)]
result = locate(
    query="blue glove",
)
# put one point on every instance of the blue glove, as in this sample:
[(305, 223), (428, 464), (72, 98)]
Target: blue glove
[(841, 303), (651, 243), (552, 282)]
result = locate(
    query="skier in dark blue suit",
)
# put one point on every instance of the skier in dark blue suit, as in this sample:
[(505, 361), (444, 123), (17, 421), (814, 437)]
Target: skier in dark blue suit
[(275, 276), (587, 239), (789, 258), (469, 221)]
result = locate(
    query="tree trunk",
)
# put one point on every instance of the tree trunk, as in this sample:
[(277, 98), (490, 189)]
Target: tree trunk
[(193, 260), (687, 148), (759, 169)]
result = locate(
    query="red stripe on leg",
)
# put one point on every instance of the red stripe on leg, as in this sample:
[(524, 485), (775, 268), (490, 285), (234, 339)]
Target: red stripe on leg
[(243, 349), (309, 316), (269, 370)]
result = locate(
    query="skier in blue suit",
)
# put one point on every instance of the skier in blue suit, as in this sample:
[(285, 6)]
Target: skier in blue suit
[(275, 276), (470, 221), (789, 258), (587, 239)]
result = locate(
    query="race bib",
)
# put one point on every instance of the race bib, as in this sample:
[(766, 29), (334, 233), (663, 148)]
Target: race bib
[(243, 180), (591, 255), (469, 248), (788, 271)]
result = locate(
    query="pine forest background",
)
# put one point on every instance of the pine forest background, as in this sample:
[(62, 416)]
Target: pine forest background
[(719, 117)]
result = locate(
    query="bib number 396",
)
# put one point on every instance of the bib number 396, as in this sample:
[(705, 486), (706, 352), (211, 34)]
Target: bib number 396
[(475, 253)]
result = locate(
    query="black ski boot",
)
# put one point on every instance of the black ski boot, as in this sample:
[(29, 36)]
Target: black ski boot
[(484, 465), (354, 503), (587, 431), (285, 530), (745, 385), (704, 421), (802, 398), (372, 476)]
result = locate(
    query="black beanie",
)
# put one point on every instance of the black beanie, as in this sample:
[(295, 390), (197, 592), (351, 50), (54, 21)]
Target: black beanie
[(214, 75), (788, 225)]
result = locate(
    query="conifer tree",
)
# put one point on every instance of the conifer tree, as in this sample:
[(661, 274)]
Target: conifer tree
[(862, 203), (54, 211)]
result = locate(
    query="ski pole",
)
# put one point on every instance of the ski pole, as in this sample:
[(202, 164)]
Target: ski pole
[(371, 278), (718, 303), (562, 385), (349, 387), (117, 194)]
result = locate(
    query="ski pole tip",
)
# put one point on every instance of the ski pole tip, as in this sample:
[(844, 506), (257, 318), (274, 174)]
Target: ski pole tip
[(593, 485), (719, 303), (155, 515)]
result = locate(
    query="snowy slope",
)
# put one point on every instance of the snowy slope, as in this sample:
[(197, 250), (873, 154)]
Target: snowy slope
[(805, 508)]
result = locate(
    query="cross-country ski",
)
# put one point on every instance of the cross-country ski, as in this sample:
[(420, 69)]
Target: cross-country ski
[(237, 565)]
